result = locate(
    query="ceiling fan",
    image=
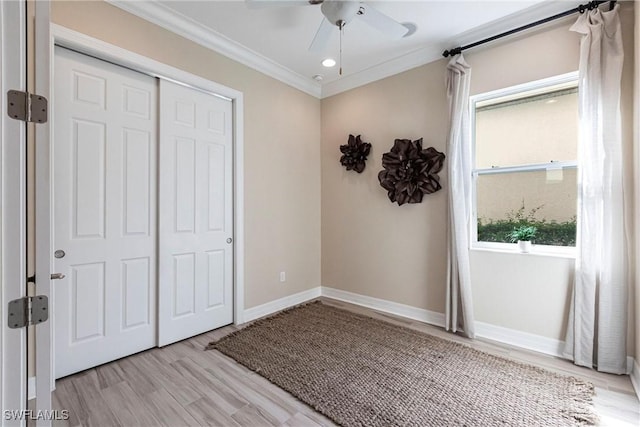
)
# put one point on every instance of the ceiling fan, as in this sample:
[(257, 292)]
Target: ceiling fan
[(338, 13)]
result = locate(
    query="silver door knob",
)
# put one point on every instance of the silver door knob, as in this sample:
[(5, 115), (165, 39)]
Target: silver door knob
[(229, 240), (59, 253), (57, 276)]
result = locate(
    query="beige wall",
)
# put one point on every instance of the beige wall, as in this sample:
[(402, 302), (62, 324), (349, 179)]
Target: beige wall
[(372, 247), (282, 148)]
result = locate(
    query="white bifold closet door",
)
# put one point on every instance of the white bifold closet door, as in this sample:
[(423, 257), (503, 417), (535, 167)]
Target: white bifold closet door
[(195, 213), (104, 152)]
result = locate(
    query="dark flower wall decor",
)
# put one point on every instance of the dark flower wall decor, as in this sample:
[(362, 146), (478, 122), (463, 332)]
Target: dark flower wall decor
[(354, 154), (410, 172)]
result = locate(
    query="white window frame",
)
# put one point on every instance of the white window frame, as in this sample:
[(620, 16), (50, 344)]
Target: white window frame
[(523, 90)]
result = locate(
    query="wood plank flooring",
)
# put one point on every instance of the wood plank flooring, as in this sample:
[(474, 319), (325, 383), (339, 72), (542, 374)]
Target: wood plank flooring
[(182, 385)]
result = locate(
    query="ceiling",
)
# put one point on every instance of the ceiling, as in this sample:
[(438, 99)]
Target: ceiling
[(281, 35)]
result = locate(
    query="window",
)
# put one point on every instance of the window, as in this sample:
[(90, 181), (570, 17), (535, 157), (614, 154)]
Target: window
[(525, 163)]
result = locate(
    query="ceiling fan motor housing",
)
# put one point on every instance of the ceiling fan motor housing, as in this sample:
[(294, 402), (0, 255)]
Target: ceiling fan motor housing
[(338, 12)]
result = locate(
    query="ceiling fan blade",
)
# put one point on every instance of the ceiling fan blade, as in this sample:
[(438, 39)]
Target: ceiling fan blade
[(382, 22), (263, 4), (322, 36)]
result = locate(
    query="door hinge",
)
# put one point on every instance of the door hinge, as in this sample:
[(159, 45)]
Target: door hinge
[(28, 311), (27, 107)]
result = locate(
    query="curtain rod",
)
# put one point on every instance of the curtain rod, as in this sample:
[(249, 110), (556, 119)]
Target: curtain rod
[(580, 9)]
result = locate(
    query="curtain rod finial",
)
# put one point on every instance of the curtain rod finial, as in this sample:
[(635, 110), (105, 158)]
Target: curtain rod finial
[(452, 52)]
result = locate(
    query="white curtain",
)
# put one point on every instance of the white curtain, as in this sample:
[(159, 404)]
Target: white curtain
[(597, 330), (459, 309)]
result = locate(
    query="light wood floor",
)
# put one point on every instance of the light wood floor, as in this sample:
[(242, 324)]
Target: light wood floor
[(182, 385)]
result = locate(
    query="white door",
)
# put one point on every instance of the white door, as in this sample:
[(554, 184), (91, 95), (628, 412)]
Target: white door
[(104, 211), (195, 253), (13, 143)]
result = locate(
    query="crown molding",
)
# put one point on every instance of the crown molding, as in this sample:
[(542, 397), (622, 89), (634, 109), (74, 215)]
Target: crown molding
[(386, 69), (164, 17), (186, 27), (433, 52), (527, 16)]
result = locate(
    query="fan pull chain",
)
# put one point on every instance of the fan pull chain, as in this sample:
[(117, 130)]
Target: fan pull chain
[(341, 34)]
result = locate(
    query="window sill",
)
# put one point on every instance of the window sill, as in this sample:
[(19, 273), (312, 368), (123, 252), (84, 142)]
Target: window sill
[(537, 250)]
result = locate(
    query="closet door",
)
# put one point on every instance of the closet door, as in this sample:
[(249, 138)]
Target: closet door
[(195, 216), (104, 230)]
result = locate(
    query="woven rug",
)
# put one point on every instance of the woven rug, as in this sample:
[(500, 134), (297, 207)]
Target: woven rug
[(360, 371)]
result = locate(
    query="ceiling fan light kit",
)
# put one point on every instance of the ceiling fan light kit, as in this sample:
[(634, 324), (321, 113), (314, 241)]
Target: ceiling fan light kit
[(338, 13)]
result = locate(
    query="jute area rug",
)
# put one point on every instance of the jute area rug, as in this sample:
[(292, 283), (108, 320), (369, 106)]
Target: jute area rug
[(360, 371)]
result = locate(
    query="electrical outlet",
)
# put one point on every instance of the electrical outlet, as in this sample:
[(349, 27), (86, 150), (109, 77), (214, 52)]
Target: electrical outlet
[(283, 276)]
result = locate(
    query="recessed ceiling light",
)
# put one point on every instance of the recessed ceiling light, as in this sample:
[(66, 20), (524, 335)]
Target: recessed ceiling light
[(318, 77), (329, 62), (552, 101)]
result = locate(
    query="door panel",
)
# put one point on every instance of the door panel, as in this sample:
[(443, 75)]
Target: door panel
[(196, 216), (185, 185), (87, 302), (216, 269), (88, 171), (137, 183), (104, 211), (136, 292)]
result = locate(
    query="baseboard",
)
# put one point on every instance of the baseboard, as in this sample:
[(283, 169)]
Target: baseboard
[(488, 331), (520, 339), (485, 330), (271, 307), (31, 388), (635, 376), (420, 314), (532, 342)]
